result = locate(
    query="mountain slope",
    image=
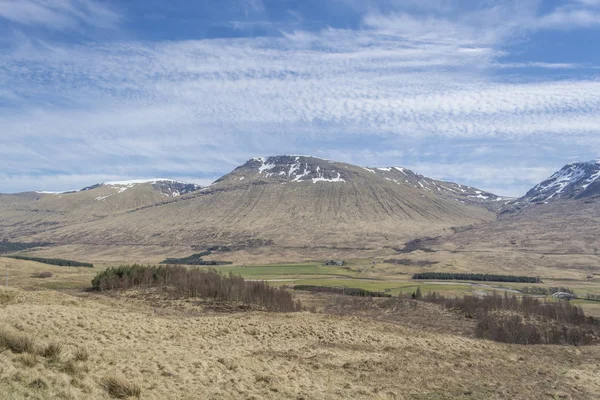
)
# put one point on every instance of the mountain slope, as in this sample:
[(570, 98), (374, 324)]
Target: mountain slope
[(574, 181), (286, 201), (556, 223), (34, 212)]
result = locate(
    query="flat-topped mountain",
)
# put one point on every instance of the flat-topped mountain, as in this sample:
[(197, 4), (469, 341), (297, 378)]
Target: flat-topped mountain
[(307, 169)]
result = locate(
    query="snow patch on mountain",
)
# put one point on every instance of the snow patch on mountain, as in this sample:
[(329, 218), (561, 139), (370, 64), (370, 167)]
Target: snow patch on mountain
[(570, 181)]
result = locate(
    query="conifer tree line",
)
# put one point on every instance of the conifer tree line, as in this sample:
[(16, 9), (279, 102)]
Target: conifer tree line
[(196, 282), (475, 277), (54, 261), (341, 290)]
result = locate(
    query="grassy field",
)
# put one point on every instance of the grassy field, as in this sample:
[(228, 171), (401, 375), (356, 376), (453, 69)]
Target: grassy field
[(357, 273), (176, 349)]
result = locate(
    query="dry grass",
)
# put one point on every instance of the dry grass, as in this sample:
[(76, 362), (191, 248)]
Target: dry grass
[(81, 354), (120, 388), (52, 351), (171, 352), (16, 342)]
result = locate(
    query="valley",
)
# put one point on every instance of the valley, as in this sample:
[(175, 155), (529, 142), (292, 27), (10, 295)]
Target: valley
[(298, 221)]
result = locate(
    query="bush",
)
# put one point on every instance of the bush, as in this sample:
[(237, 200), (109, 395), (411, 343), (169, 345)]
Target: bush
[(196, 282), (120, 388), (16, 342)]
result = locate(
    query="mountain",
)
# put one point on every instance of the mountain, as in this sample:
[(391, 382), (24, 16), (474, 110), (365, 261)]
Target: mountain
[(555, 224), (299, 169), (35, 212), (574, 181), (290, 202)]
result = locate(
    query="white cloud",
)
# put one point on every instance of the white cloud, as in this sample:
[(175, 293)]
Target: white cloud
[(198, 108), (58, 14)]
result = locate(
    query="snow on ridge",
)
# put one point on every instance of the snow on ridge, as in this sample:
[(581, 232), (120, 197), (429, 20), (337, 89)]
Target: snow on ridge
[(322, 179), (140, 181)]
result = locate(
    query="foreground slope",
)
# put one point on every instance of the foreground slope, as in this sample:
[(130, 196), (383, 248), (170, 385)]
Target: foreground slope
[(182, 352), (288, 202)]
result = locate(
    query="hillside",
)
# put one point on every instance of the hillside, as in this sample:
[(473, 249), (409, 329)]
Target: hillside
[(555, 224), (579, 180), (178, 350), (289, 202), (31, 213)]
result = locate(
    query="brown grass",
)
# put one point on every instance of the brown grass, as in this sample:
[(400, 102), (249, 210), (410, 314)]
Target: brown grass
[(52, 351), (16, 342), (81, 354), (181, 351), (120, 388)]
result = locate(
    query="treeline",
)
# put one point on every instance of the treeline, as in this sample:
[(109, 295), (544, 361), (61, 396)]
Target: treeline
[(475, 277), (9, 247), (524, 321), (338, 290), (200, 283), (546, 291), (593, 297), (54, 261), (194, 259)]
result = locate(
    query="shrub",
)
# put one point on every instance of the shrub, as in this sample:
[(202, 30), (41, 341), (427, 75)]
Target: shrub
[(16, 342), (120, 388)]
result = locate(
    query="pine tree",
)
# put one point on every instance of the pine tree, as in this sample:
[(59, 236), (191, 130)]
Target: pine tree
[(418, 295)]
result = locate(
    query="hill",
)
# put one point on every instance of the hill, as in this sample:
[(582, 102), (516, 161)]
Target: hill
[(32, 213), (555, 224)]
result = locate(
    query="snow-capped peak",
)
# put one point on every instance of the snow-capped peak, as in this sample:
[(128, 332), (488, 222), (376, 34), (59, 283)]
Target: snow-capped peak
[(140, 181), (293, 169), (571, 181)]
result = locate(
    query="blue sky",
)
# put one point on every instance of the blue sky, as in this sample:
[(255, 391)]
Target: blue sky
[(494, 94)]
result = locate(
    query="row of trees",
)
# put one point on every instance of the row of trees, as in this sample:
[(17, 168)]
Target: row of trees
[(54, 261), (8, 247), (546, 291), (194, 259), (526, 320), (475, 277), (341, 290), (196, 282)]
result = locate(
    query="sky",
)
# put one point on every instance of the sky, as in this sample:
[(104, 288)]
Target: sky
[(493, 94)]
